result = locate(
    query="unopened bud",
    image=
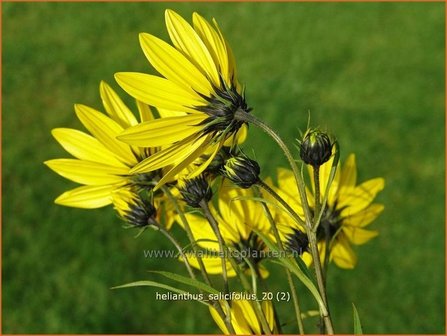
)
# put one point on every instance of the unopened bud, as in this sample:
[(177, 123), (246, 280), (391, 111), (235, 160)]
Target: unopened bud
[(242, 171), (195, 190), (315, 148), (135, 210)]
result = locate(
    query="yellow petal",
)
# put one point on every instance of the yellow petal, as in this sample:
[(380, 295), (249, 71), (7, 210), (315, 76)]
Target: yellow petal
[(201, 231), (307, 258), (231, 60), (105, 130), (85, 147), (173, 65), (325, 171), (238, 138), (164, 131), (241, 215), (187, 157), (186, 40), (349, 172), (144, 111), (169, 155), (158, 92), (169, 113), (269, 313), (122, 199), (87, 197), (342, 253), (358, 236), (246, 321), (213, 265), (286, 181), (216, 317), (214, 44), (263, 271), (200, 169), (115, 107), (289, 192), (353, 200), (364, 217), (87, 172)]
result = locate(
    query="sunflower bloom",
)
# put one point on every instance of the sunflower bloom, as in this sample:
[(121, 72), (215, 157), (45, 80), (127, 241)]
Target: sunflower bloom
[(244, 319), (197, 85), (101, 163), (349, 210), (236, 218)]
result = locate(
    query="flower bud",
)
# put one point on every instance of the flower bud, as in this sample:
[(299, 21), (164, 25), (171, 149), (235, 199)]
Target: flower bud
[(195, 190), (135, 210), (242, 171), (315, 148)]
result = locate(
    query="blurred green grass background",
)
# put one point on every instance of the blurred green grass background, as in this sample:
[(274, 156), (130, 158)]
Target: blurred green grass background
[(371, 73)]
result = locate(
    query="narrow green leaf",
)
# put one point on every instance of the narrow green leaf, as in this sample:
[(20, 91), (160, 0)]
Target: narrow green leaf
[(188, 281), (155, 284), (357, 324), (150, 284), (304, 267)]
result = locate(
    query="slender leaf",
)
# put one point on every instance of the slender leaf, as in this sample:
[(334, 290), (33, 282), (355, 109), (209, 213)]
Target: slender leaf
[(150, 284), (357, 324), (155, 284), (188, 281)]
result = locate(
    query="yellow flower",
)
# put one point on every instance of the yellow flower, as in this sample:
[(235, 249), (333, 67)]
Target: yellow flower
[(198, 87), (244, 319), (101, 162), (349, 210), (236, 219)]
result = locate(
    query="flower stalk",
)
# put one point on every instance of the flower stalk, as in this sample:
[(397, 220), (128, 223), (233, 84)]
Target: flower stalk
[(307, 214), (296, 304)]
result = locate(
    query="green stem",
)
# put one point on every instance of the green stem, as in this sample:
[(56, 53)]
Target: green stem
[(188, 230), (215, 226), (250, 118), (179, 249), (296, 304), (285, 205), (316, 219), (185, 223), (317, 200), (328, 185), (255, 303)]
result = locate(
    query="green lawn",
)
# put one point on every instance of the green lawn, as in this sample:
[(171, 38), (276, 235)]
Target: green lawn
[(371, 73)]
